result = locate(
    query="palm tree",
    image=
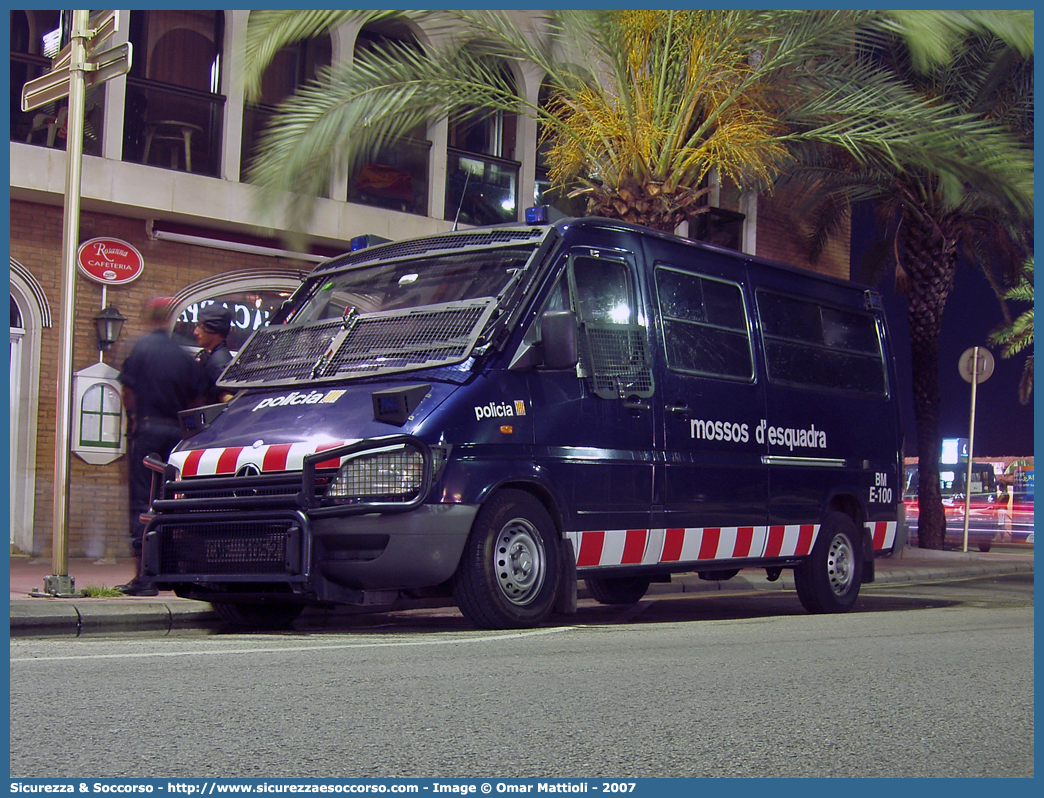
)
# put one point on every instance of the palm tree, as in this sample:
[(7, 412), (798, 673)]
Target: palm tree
[(929, 222), (1018, 334), (643, 104)]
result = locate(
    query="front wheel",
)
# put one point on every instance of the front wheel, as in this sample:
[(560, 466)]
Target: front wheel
[(828, 581), (508, 575)]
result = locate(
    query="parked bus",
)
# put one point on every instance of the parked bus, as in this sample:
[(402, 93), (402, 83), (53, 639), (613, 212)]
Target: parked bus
[(496, 413)]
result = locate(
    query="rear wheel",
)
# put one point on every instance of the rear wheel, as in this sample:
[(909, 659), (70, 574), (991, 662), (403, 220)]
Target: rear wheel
[(509, 572), (617, 589), (258, 615), (828, 581)]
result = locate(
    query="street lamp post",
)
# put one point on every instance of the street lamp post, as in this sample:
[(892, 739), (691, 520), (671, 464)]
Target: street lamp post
[(59, 583), (975, 366), (78, 65)]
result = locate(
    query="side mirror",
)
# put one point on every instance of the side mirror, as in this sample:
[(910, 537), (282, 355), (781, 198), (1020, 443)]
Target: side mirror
[(559, 339)]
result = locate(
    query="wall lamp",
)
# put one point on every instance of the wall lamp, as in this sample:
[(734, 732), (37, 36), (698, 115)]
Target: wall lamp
[(108, 324)]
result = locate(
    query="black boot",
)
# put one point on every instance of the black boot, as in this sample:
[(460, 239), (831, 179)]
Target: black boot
[(136, 587)]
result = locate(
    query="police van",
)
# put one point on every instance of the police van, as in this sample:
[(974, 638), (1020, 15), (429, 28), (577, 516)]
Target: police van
[(496, 413)]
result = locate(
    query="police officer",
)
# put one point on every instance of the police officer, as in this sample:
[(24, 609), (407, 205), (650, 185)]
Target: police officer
[(159, 379), (215, 322)]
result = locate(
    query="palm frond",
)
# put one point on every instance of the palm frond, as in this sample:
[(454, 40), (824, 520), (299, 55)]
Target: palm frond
[(1017, 335), (269, 31)]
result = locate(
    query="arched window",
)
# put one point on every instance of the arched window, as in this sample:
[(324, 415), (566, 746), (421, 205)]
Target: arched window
[(291, 67), (17, 415), (251, 309), (175, 105), (16, 317), (30, 316), (36, 38), (481, 171), (397, 176)]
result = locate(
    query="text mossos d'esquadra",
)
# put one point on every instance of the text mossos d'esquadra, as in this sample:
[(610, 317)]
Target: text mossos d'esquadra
[(735, 432)]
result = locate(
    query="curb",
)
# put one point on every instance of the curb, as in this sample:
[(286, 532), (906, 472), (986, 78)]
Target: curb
[(59, 617), (50, 617)]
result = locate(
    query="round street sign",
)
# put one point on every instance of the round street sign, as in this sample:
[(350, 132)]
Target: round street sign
[(109, 261), (976, 362)]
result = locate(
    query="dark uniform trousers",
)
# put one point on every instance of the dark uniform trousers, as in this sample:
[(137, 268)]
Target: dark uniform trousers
[(150, 436)]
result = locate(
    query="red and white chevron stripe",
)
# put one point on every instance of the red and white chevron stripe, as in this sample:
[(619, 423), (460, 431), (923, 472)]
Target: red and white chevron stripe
[(884, 533), (265, 457), (600, 548)]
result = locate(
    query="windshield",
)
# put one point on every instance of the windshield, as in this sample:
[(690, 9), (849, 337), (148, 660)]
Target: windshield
[(382, 318), (408, 284)]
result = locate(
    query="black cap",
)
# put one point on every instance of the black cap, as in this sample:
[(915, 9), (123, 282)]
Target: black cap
[(216, 318)]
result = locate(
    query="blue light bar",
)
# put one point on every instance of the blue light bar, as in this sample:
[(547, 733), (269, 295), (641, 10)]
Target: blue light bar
[(537, 215), (362, 242)]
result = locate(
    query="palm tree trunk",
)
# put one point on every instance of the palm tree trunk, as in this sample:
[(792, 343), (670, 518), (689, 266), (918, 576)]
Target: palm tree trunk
[(930, 259)]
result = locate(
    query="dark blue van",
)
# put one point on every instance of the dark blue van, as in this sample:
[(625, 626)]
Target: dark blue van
[(496, 413)]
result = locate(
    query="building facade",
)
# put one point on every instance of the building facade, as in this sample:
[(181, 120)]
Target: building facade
[(167, 148)]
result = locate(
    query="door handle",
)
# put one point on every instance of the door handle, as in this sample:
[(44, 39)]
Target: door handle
[(634, 403), (680, 410)]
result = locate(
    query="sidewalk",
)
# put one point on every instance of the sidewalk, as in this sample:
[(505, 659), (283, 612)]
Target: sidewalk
[(166, 613)]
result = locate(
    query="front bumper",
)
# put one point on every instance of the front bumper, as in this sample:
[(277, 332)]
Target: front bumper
[(277, 533), (340, 560)]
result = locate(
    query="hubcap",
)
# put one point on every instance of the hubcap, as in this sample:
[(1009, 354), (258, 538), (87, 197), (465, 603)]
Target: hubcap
[(840, 565), (519, 561)]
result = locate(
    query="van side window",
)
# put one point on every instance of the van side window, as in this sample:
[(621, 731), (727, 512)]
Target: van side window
[(704, 325), (614, 350), (603, 291), (808, 344)]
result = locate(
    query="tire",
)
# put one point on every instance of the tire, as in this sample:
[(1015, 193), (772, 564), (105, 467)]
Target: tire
[(828, 581), (509, 572), (258, 616), (617, 589), (984, 547)]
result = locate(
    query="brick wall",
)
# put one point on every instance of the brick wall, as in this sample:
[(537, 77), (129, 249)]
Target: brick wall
[(782, 238), (98, 516)]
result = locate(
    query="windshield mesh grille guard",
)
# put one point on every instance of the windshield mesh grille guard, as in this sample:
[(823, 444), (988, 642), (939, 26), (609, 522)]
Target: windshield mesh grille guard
[(372, 344)]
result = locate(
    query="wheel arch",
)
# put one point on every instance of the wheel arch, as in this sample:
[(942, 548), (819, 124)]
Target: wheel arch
[(541, 490), (848, 504)]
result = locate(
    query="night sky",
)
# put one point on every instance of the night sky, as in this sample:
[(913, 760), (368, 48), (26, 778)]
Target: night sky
[(1003, 427)]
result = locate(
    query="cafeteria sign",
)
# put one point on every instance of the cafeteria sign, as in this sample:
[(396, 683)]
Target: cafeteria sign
[(109, 261)]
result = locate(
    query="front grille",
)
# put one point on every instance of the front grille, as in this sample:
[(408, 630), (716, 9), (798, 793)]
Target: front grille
[(280, 488), (227, 547)]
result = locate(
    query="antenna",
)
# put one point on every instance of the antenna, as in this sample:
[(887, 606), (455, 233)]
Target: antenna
[(463, 191)]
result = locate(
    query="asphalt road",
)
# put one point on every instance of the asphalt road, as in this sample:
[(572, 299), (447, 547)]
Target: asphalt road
[(920, 680)]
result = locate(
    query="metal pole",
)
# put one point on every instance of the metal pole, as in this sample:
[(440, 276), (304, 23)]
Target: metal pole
[(60, 583), (971, 447), (104, 304)]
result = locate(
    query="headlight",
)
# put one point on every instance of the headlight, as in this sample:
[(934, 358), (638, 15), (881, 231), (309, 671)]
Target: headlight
[(394, 475)]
